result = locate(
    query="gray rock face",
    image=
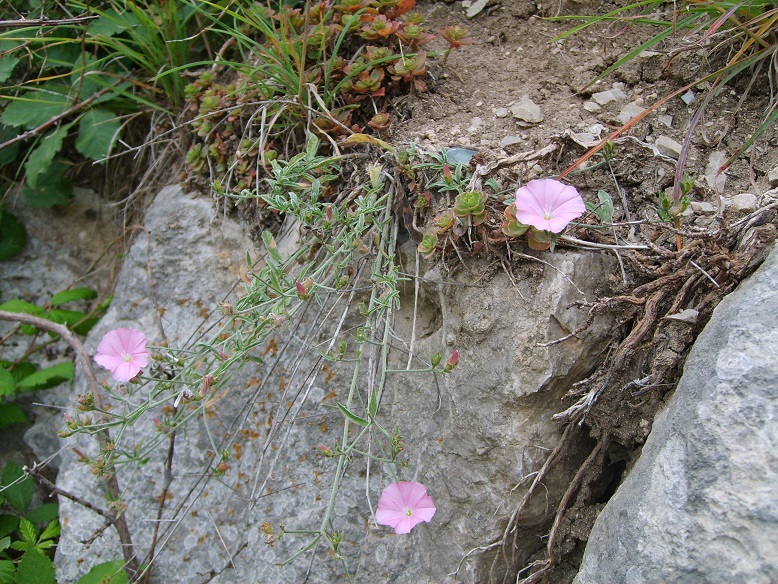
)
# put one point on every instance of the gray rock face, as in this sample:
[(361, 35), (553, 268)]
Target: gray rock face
[(470, 437), (701, 503)]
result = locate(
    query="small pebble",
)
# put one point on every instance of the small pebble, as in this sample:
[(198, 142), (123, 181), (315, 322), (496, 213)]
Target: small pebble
[(668, 147)]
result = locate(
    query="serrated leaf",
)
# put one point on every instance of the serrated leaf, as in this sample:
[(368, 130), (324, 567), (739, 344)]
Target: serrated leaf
[(7, 66), (46, 378), (73, 294), (41, 158), (22, 370), (45, 513), (11, 414), (98, 132), (352, 416), (7, 383), (5, 543), (52, 530), (8, 524), (28, 531), (106, 573), (52, 187), (33, 108), (20, 546), (13, 236), (18, 486), (35, 568), (7, 572)]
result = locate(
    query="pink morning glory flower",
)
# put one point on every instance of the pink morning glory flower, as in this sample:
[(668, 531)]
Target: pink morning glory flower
[(123, 352), (404, 505), (548, 204)]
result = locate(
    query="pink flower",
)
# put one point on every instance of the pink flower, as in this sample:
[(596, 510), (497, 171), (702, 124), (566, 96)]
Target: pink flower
[(548, 204), (403, 505), (123, 352)]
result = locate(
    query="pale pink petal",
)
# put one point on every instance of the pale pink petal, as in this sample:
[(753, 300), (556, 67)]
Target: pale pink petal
[(405, 525), (548, 204), (392, 497), (108, 361), (389, 517), (404, 505), (111, 344), (125, 371)]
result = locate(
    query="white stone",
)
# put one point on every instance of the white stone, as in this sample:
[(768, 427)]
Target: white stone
[(501, 112), (629, 111), (742, 203), (668, 147), (526, 110), (772, 176), (609, 95), (592, 107), (716, 180)]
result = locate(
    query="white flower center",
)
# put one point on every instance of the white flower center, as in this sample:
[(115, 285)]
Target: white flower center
[(126, 357), (408, 511), (547, 215)]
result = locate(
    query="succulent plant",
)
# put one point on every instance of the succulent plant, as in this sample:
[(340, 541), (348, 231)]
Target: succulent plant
[(428, 245), (471, 204)]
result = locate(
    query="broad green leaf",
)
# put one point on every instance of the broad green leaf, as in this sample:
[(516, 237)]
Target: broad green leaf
[(111, 23), (36, 107), (73, 294), (46, 378), (35, 568), (7, 572), (18, 486), (7, 383), (52, 531), (98, 132), (8, 524), (13, 236), (11, 414), (17, 305), (7, 65), (41, 158), (52, 187), (351, 416), (45, 513), (28, 531), (63, 316), (22, 370), (85, 326), (106, 573), (5, 543)]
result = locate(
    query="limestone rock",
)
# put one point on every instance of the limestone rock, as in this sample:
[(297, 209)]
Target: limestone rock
[(668, 147), (470, 437), (701, 503), (526, 110)]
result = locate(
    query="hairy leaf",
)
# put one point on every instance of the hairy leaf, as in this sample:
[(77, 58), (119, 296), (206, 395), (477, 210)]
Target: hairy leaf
[(7, 65), (52, 531), (7, 572), (28, 531)]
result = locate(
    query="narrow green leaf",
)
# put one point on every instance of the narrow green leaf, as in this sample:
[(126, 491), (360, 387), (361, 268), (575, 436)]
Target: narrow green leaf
[(18, 486), (372, 407), (11, 414), (97, 133), (7, 383), (46, 378), (41, 158), (73, 294), (52, 531), (17, 305), (45, 513), (13, 236), (7, 572), (52, 187), (106, 573), (351, 416), (271, 245), (35, 568)]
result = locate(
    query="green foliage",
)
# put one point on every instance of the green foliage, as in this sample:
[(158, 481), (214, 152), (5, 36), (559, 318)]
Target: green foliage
[(13, 236), (23, 375), (25, 548), (106, 573)]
